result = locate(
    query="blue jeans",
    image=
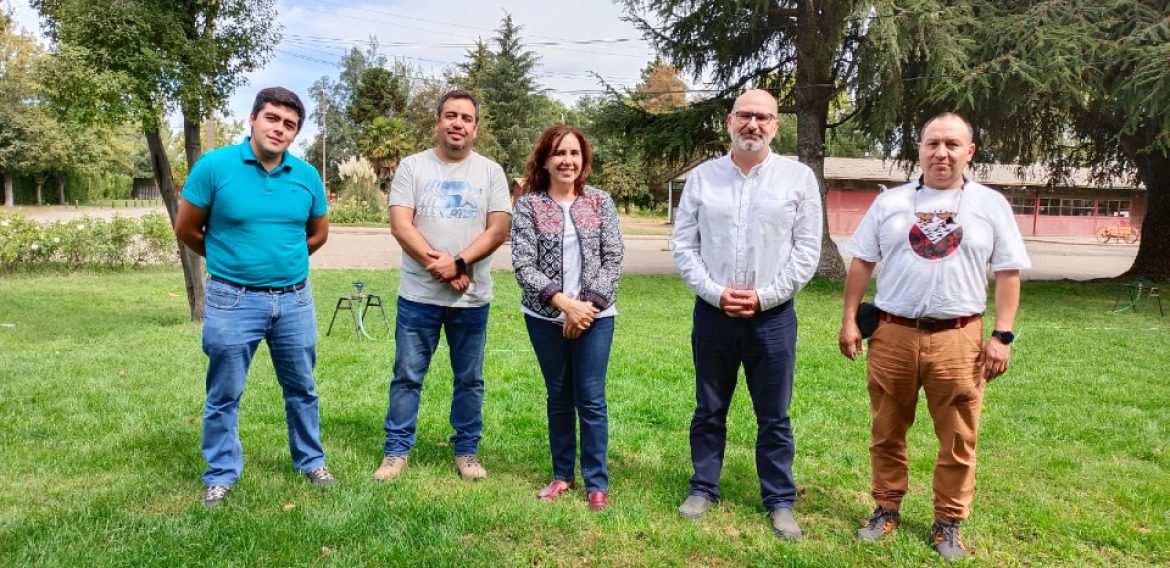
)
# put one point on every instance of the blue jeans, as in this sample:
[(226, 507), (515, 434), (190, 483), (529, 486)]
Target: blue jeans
[(765, 345), (416, 335), (574, 376), (234, 322)]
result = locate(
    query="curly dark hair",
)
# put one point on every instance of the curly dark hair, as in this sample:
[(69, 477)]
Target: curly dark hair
[(536, 178)]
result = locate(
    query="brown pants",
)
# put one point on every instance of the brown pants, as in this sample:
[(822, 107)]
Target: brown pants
[(902, 360)]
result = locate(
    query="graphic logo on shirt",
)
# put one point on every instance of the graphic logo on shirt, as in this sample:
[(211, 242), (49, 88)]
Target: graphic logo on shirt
[(936, 234), (449, 200)]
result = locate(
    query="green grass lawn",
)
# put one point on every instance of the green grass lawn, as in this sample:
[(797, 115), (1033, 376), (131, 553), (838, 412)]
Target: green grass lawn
[(101, 393)]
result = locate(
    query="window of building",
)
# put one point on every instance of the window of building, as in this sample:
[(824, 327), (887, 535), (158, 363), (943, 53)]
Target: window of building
[(1065, 207), (1023, 205), (1113, 208)]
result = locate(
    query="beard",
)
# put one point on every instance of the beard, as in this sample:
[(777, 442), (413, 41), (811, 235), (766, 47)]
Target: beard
[(744, 144)]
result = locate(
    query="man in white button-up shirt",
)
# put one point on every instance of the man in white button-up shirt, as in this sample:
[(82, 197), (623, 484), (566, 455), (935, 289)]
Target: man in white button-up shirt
[(747, 238)]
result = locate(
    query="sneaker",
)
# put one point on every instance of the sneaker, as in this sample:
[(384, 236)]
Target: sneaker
[(882, 523), (214, 495), (784, 525), (321, 476), (469, 468), (947, 543), (390, 468), (695, 506)]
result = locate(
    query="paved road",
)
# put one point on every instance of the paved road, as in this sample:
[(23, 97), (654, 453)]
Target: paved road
[(1053, 258)]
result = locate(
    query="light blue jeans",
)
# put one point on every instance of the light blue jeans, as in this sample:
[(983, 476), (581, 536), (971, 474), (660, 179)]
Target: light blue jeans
[(234, 322), (416, 335)]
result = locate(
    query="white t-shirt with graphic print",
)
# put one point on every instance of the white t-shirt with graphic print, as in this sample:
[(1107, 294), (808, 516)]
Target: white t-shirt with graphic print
[(451, 203), (935, 247)]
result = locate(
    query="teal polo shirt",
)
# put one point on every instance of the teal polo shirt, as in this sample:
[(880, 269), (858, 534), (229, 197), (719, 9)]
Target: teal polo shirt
[(256, 219)]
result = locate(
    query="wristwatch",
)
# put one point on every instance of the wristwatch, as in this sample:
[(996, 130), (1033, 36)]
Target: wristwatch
[(1005, 337), (460, 264)]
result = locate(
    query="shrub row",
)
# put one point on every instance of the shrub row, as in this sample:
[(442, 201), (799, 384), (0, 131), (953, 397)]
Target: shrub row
[(86, 242)]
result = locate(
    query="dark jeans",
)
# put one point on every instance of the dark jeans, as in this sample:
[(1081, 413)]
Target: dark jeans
[(766, 346), (416, 335), (574, 375)]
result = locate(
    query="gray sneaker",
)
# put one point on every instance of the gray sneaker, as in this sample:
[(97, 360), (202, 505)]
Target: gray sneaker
[(321, 476), (882, 523), (695, 506), (784, 525), (214, 495), (947, 543)]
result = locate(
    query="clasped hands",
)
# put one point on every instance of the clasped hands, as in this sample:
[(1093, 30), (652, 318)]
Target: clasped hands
[(739, 303), (579, 315), (442, 268)]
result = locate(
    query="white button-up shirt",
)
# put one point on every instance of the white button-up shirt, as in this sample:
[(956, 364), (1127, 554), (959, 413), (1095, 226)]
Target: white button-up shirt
[(758, 231)]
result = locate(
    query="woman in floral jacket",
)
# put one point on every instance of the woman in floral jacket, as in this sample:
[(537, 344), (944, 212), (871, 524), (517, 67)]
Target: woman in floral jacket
[(567, 254)]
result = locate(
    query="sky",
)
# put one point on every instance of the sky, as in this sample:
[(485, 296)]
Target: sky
[(572, 39)]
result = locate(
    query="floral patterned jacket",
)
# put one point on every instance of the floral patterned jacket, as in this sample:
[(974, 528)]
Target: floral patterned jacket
[(538, 227)]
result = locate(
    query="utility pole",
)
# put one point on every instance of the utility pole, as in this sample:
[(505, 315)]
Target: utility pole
[(324, 138)]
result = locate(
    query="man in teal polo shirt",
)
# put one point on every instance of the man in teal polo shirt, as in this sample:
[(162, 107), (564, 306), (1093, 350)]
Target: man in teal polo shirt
[(257, 213)]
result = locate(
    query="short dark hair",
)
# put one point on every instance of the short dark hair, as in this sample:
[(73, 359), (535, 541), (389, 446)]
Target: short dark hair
[(457, 94), (536, 178), (941, 115), (282, 97)]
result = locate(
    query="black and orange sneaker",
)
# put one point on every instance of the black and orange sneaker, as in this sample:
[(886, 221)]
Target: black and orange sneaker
[(947, 543), (882, 523)]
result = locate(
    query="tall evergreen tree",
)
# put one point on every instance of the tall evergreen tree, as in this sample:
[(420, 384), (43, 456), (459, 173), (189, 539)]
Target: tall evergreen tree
[(510, 97)]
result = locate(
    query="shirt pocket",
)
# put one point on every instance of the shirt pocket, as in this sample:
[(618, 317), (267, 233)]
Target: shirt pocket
[(775, 210)]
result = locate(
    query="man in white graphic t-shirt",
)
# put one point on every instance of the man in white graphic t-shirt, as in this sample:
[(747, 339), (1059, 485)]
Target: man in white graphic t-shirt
[(935, 238), (449, 210)]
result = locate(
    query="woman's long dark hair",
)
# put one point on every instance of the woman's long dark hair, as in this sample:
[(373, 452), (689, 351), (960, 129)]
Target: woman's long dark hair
[(536, 178)]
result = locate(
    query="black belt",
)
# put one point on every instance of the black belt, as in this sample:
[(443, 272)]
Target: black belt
[(930, 324), (267, 289)]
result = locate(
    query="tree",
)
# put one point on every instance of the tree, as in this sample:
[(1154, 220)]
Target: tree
[(510, 97), (807, 51), (661, 90), (1062, 82), (28, 135), (337, 131), (136, 59)]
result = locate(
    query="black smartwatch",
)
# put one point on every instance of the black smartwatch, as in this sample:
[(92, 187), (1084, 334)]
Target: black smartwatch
[(460, 264), (1005, 337)]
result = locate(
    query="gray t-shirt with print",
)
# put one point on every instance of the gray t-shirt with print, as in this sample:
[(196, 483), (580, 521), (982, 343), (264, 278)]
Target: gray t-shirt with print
[(451, 202)]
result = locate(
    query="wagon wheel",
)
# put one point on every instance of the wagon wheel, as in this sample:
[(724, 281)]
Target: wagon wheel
[(1132, 237), (1102, 235)]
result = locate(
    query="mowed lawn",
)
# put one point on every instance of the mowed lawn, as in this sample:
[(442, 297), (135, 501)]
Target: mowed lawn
[(101, 393)]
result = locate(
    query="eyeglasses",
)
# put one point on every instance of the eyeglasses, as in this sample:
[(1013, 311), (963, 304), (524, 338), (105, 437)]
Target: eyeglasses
[(763, 119)]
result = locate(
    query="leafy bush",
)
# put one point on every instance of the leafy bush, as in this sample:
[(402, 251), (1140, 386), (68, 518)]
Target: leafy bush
[(349, 210), (88, 241)]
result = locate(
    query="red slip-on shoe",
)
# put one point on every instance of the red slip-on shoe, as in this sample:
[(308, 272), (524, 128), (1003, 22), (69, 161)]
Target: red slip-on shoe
[(598, 501), (555, 489)]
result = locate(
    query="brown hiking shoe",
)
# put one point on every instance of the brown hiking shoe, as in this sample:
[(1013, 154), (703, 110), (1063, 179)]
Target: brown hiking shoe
[(882, 523), (469, 468), (390, 468), (947, 543)]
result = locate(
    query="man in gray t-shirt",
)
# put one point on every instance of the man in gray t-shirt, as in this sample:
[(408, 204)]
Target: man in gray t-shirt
[(449, 210)]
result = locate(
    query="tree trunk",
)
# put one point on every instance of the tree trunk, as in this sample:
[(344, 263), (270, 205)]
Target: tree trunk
[(40, 186), (8, 202), (814, 90), (192, 263), (1153, 256), (192, 145), (61, 188)]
